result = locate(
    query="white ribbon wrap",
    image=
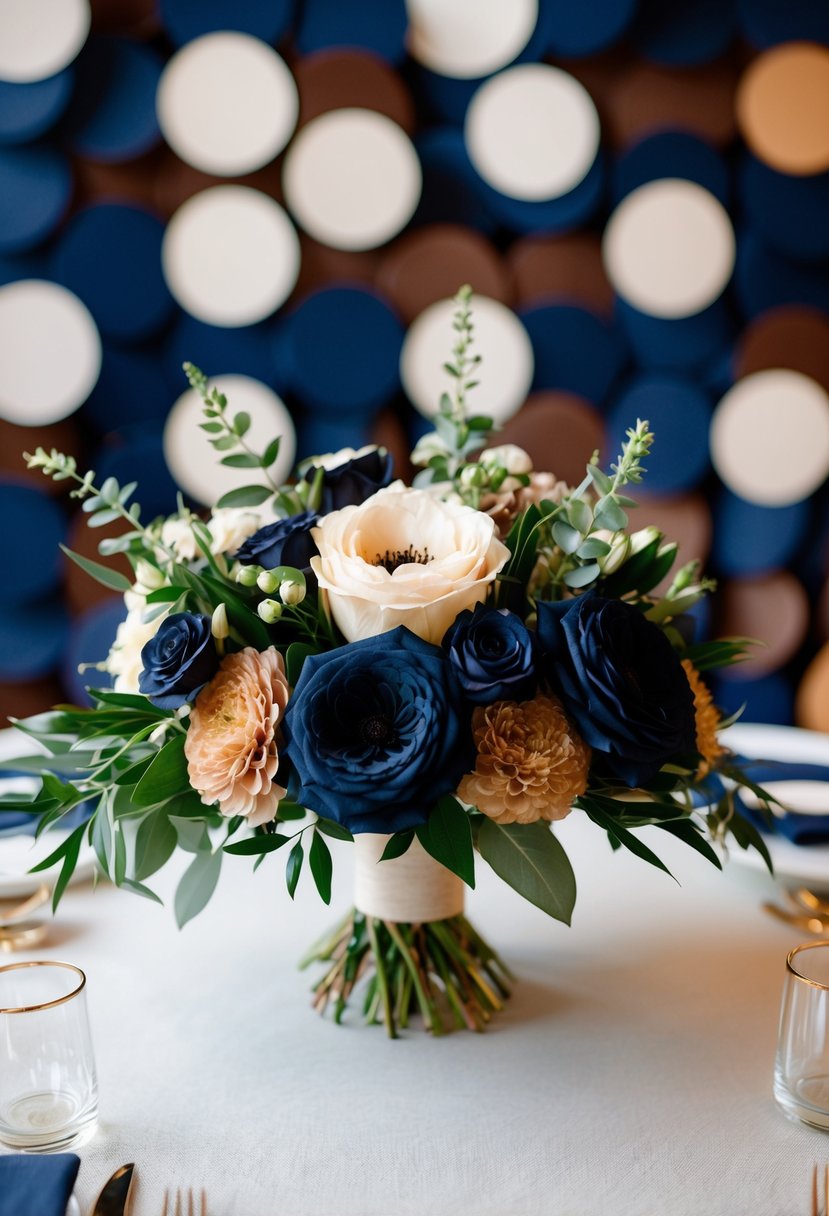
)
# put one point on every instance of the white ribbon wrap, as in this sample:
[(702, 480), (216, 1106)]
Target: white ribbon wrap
[(413, 888)]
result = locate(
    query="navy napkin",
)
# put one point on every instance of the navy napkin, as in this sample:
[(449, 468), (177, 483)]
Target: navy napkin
[(32, 1185), (24, 823), (799, 829)]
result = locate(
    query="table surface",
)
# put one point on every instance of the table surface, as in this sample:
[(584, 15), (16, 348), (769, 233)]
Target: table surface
[(631, 1072)]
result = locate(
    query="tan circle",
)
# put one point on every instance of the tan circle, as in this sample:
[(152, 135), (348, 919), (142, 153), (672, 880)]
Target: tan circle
[(774, 609), (793, 336), (559, 430), (783, 108), (685, 519), (428, 265), (566, 269), (812, 702)]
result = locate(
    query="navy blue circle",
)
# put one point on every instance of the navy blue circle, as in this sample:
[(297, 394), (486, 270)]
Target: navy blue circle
[(575, 350), (132, 389), (218, 350), (34, 527), (550, 215), (35, 191), (32, 640), (683, 342), (185, 20), (585, 29), (90, 639), (670, 154), (679, 413), (136, 453), (27, 266), (112, 117), (790, 213), (378, 26), (767, 699), (317, 434), (110, 256), (764, 278), (768, 22), (752, 539), (451, 191), (682, 35), (343, 347), (29, 109)]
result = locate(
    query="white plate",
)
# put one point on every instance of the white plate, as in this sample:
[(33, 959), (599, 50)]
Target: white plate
[(73, 1208), (19, 853), (804, 864)]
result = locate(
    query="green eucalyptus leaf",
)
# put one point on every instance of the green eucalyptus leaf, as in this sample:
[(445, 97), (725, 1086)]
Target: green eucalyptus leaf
[(566, 537), (165, 776), (270, 454), (102, 574), (197, 885), (532, 861), (581, 517), (241, 460), (593, 547), (155, 842), (582, 576), (241, 424), (245, 496), (609, 515)]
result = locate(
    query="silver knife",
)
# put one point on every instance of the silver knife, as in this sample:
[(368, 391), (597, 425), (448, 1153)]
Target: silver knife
[(115, 1197)]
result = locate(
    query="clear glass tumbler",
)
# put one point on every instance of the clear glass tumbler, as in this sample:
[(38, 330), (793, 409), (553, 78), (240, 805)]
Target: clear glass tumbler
[(48, 1086)]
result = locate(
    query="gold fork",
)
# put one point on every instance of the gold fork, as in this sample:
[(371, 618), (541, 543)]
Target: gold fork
[(819, 1209), (191, 1199)]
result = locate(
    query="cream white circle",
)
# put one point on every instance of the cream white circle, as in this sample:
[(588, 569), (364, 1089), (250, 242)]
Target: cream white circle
[(227, 103), (469, 38), (230, 255), (50, 352), (194, 464), (770, 437), (506, 369), (669, 248), (532, 132), (38, 38), (352, 179)]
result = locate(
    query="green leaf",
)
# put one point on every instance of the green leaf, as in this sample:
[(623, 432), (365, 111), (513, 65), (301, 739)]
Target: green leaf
[(138, 888), (192, 834), (259, 845), (447, 836), (688, 832), (293, 868), (319, 858), (155, 842), (102, 574), (532, 861), (197, 885), (609, 515), (224, 443), (245, 496), (582, 576), (295, 656), (70, 860), (626, 838), (241, 460), (397, 845), (567, 538), (581, 517), (101, 835), (119, 868), (241, 424), (165, 777), (335, 830), (599, 478), (593, 547), (270, 454)]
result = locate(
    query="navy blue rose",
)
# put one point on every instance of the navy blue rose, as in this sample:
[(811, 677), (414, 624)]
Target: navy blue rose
[(621, 681), (353, 481), (286, 542), (492, 653), (377, 732), (178, 661)]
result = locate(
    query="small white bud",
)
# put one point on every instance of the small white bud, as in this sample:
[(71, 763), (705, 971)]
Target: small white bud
[(218, 624), (291, 593), (507, 456), (147, 575), (247, 575), (473, 475), (267, 582), (269, 611), (618, 555)]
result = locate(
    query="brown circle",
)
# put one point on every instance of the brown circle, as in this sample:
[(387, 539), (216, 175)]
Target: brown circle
[(793, 336), (15, 440), (431, 264), (321, 266), (700, 100), (812, 701), (83, 592), (566, 268), (340, 79), (174, 182), (130, 18), (25, 700), (131, 182), (685, 520), (773, 609), (783, 108), (388, 431), (560, 431)]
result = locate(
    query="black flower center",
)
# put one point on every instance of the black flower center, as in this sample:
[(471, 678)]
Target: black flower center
[(376, 728), (391, 559)]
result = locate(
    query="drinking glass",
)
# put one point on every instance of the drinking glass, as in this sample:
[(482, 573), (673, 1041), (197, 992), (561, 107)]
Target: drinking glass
[(801, 1072), (48, 1086)]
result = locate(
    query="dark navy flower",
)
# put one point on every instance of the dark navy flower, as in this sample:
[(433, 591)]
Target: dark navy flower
[(178, 661), (286, 542), (491, 651), (352, 482), (377, 732), (621, 681)]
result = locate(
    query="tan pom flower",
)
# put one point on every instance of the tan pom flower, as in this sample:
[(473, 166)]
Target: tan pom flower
[(707, 720), (531, 762), (230, 747)]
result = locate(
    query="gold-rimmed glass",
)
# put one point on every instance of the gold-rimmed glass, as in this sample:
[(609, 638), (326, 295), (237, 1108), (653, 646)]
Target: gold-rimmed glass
[(48, 1085)]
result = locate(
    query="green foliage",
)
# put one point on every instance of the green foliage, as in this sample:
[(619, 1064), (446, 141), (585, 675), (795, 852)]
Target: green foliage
[(447, 836), (530, 859)]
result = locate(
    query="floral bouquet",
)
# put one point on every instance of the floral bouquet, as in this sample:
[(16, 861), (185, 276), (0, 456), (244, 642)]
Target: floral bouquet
[(430, 672)]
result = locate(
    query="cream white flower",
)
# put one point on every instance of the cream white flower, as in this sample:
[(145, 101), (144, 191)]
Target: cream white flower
[(428, 446), (124, 659), (404, 557), (333, 460), (230, 527), (507, 456), (177, 535)]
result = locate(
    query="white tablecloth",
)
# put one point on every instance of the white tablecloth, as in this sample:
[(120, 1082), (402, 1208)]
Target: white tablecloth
[(631, 1072)]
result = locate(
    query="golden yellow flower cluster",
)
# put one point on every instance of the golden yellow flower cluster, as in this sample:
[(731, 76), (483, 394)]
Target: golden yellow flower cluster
[(707, 720), (531, 762)]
